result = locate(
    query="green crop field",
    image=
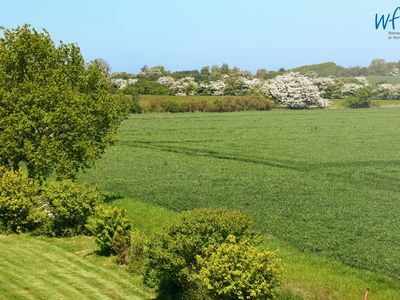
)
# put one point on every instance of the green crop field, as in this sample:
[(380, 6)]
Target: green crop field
[(375, 79), (325, 181), (338, 103)]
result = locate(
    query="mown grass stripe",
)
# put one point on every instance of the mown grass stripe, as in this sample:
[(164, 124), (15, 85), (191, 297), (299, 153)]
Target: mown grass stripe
[(86, 279), (30, 285), (11, 286), (50, 266), (121, 281), (67, 272)]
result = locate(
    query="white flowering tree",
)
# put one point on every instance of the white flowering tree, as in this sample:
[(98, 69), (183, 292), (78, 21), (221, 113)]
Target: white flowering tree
[(251, 84), (324, 84), (396, 92), (166, 80), (294, 90), (120, 83), (239, 85), (217, 88), (349, 89), (387, 91), (184, 87), (153, 72), (211, 88)]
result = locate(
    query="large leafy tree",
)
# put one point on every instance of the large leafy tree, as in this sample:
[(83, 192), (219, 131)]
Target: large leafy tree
[(56, 116)]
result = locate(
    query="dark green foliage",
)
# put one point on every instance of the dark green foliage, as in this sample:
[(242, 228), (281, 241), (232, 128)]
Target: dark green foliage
[(112, 229), (133, 102), (70, 204), (146, 87), (185, 73), (20, 204), (170, 106), (137, 252), (361, 99), (120, 246), (130, 90), (55, 111), (234, 87), (172, 254)]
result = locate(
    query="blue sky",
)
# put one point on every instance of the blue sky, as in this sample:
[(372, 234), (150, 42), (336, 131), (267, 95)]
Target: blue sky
[(188, 34)]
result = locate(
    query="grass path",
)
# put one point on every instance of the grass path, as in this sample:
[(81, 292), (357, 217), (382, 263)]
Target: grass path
[(41, 268)]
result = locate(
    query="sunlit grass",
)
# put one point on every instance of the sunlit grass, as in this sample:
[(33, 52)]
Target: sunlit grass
[(325, 181)]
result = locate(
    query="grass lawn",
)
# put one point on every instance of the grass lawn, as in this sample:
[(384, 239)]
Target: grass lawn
[(324, 181), (68, 268), (52, 268)]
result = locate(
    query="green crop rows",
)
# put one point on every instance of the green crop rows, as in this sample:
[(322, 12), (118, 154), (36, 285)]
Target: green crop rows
[(326, 181)]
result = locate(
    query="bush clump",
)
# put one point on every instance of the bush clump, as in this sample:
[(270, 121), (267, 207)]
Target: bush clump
[(361, 99), (146, 87), (133, 103), (112, 229), (242, 104), (21, 209), (172, 256), (224, 104), (238, 270), (70, 206), (137, 252)]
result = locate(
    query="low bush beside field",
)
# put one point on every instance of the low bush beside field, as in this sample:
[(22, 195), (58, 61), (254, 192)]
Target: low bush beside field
[(175, 104)]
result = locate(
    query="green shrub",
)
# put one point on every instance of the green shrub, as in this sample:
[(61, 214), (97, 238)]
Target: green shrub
[(70, 205), (225, 104), (196, 106), (134, 105), (147, 87), (170, 106), (361, 99), (235, 270), (172, 254), (112, 228), (137, 252), (154, 106), (21, 209), (120, 246), (242, 104)]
